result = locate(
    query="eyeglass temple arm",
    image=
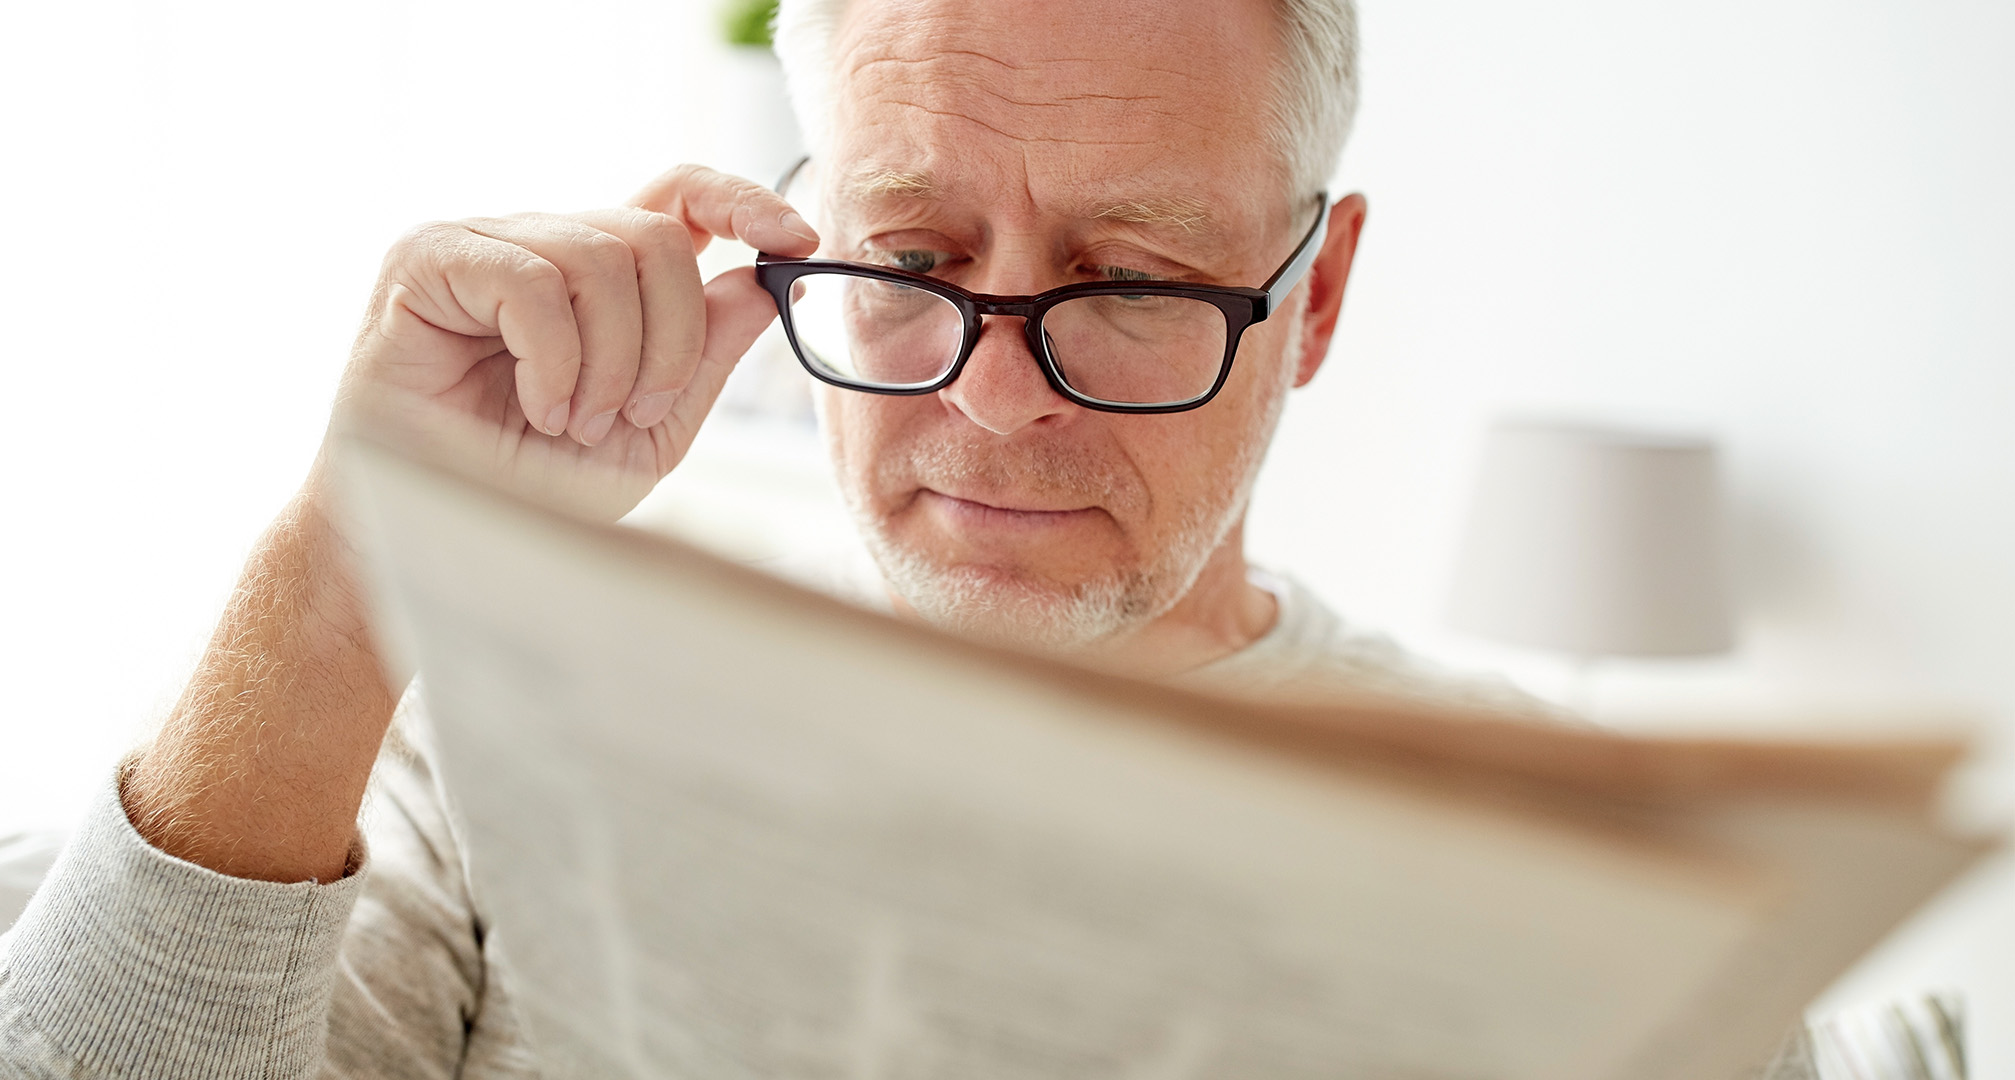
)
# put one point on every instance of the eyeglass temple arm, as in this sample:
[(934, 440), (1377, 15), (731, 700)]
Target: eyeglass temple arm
[(790, 174), (1297, 265)]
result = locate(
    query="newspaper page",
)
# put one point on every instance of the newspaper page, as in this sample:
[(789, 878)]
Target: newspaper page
[(719, 827)]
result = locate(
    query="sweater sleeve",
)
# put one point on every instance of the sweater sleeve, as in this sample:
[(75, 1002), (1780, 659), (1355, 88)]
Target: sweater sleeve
[(130, 962)]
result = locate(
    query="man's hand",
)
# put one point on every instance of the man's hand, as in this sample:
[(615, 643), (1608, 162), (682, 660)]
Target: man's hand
[(571, 359)]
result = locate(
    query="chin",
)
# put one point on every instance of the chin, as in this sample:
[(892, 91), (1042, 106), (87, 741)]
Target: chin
[(1025, 611)]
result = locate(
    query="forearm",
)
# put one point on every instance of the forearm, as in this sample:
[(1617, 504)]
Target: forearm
[(260, 770)]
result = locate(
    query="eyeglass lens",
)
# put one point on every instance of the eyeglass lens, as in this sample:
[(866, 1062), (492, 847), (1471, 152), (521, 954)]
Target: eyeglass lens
[(1142, 349), (876, 333)]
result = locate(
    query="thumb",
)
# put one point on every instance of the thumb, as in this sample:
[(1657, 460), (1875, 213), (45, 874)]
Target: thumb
[(738, 311)]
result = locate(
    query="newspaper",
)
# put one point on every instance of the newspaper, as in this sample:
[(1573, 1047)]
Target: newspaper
[(720, 827)]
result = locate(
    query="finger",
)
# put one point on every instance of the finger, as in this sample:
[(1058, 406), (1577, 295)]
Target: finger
[(738, 310), (478, 286), (715, 204), (674, 306), (601, 277)]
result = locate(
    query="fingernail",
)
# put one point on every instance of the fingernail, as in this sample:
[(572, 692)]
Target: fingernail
[(648, 410), (598, 428), (556, 421), (797, 226)]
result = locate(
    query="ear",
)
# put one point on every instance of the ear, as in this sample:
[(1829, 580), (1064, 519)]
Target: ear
[(1325, 282)]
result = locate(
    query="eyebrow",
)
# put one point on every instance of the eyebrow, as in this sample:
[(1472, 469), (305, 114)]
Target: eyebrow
[(1188, 215), (875, 182), (1184, 213)]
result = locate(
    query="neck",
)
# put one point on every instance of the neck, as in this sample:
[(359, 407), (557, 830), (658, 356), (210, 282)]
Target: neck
[(1221, 614)]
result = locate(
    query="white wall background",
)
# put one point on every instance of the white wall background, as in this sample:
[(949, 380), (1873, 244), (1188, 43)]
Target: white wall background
[(196, 198), (1783, 221)]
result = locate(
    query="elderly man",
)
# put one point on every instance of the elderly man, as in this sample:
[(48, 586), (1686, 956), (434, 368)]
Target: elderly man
[(1071, 258)]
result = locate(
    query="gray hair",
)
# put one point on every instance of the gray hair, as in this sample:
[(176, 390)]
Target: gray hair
[(1315, 94)]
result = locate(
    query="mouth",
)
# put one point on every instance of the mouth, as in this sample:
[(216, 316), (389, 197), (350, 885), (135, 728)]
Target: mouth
[(999, 515)]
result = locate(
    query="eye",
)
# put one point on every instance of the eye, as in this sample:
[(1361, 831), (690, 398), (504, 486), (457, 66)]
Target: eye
[(1123, 273), (914, 260)]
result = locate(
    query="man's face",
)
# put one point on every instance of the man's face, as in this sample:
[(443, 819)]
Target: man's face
[(1011, 147)]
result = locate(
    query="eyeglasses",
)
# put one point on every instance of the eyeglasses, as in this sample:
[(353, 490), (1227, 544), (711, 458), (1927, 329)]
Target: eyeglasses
[(1114, 346)]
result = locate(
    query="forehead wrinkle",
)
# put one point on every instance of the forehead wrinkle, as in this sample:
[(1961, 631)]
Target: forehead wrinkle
[(1027, 72), (1009, 91), (937, 54), (1016, 136)]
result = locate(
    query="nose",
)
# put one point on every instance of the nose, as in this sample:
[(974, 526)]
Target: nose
[(1001, 388)]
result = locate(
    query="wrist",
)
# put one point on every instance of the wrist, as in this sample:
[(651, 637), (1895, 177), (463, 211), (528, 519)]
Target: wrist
[(308, 542)]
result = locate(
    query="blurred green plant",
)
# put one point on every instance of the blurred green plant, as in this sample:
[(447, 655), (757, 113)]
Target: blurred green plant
[(747, 22)]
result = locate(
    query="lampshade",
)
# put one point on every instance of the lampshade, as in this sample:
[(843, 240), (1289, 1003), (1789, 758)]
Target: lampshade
[(1596, 542)]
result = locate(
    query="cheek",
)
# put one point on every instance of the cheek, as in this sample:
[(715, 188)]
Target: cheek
[(1192, 461), (1179, 456), (844, 432), (859, 430)]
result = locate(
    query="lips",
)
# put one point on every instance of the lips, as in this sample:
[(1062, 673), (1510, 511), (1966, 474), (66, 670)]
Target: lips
[(1001, 513), (1016, 504)]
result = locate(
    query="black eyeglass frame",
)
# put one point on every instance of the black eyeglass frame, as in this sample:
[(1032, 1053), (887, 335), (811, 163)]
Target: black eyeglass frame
[(1242, 307)]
